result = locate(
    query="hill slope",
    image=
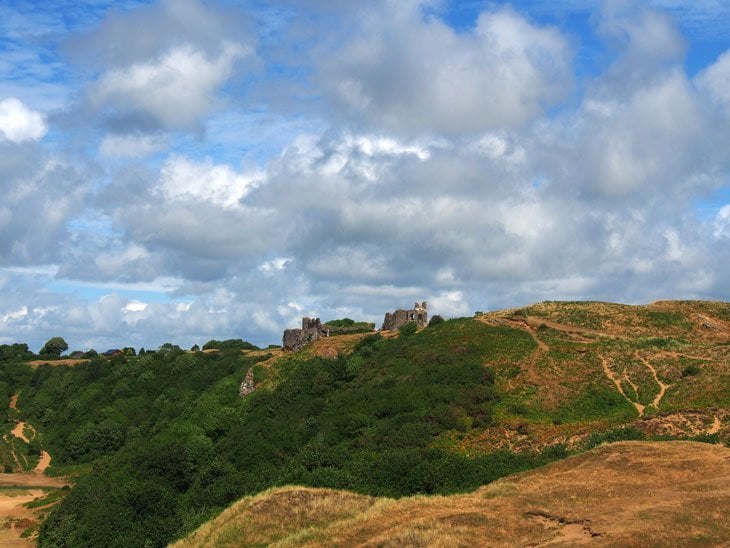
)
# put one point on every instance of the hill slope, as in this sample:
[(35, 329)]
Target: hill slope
[(669, 361), (163, 442), (629, 493)]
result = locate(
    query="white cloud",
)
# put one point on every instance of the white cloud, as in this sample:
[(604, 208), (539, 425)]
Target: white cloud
[(15, 315), (715, 80), (131, 146), (217, 184), (275, 264), (174, 90), (721, 223), (135, 306), (115, 263), (410, 75), (449, 303), (18, 123)]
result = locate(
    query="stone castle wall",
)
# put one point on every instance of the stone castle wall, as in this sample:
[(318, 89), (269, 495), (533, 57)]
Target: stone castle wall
[(418, 314), (296, 339)]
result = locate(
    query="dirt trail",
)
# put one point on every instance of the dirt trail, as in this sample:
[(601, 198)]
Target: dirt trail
[(607, 370), (542, 347), (43, 463), (662, 387), (21, 488), (716, 425), (19, 432)]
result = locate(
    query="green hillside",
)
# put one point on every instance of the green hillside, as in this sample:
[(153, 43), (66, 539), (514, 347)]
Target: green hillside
[(162, 442)]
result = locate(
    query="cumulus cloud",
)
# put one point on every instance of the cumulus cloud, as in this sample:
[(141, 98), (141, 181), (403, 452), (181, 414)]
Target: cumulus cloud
[(18, 123), (40, 194), (183, 179), (127, 37), (406, 73), (131, 146), (721, 223), (172, 91), (715, 80)]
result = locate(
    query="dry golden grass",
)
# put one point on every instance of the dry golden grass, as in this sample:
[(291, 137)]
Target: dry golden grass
[(56, 363), (277, 514), (624, 494)]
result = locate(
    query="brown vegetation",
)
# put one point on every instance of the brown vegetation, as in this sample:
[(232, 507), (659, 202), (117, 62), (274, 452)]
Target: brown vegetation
[(55, 363), (624, 494)]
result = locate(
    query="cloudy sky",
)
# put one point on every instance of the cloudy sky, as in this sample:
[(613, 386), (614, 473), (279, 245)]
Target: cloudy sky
[(182, 170)]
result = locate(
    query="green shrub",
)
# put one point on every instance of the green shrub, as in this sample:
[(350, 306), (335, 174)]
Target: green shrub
[(435, 320), (344, 322), (408, 329), (229, 344), (691, 370)]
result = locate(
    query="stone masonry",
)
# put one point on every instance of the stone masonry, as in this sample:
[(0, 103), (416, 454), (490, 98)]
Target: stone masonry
[(419, 314), (296, 339)]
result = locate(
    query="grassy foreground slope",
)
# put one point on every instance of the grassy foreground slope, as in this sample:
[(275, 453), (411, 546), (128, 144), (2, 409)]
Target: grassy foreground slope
[(622, 494)]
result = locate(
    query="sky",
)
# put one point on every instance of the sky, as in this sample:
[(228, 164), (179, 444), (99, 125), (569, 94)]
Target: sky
[(186, 170)]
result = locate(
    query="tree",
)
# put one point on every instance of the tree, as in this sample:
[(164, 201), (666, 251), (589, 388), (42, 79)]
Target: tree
[(54, 347)]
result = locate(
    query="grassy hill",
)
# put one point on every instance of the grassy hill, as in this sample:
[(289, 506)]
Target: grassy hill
[(160, 443), (623, 494)]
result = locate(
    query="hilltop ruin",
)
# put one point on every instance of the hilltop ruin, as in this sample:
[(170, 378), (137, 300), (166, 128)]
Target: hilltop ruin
[(418, 314), (296, 339), (313, 329)]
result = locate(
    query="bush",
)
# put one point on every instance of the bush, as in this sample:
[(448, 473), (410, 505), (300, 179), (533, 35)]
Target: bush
[(344, 322), (408, 329), (229, 344), (436, 320), (691, 370)]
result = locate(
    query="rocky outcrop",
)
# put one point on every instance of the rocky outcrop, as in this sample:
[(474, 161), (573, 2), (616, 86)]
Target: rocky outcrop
[(248, 385)]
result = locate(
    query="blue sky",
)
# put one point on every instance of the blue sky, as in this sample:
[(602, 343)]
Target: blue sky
[(184, 170)]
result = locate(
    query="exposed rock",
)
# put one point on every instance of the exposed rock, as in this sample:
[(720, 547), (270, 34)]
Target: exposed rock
[(419, 314), (248, 385)]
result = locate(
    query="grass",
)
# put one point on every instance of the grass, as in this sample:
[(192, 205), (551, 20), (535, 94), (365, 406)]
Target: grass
[(608, 490)]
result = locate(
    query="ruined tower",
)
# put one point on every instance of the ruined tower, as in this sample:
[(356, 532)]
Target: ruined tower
[(418, 314)]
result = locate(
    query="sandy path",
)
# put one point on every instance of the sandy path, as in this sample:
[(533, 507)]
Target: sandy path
[(15, 518), (43, 463), (18, 431), (662, 387), (607, 370)]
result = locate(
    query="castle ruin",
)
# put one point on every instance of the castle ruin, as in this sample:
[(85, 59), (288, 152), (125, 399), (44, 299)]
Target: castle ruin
[(418, 314), (296, 339)]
